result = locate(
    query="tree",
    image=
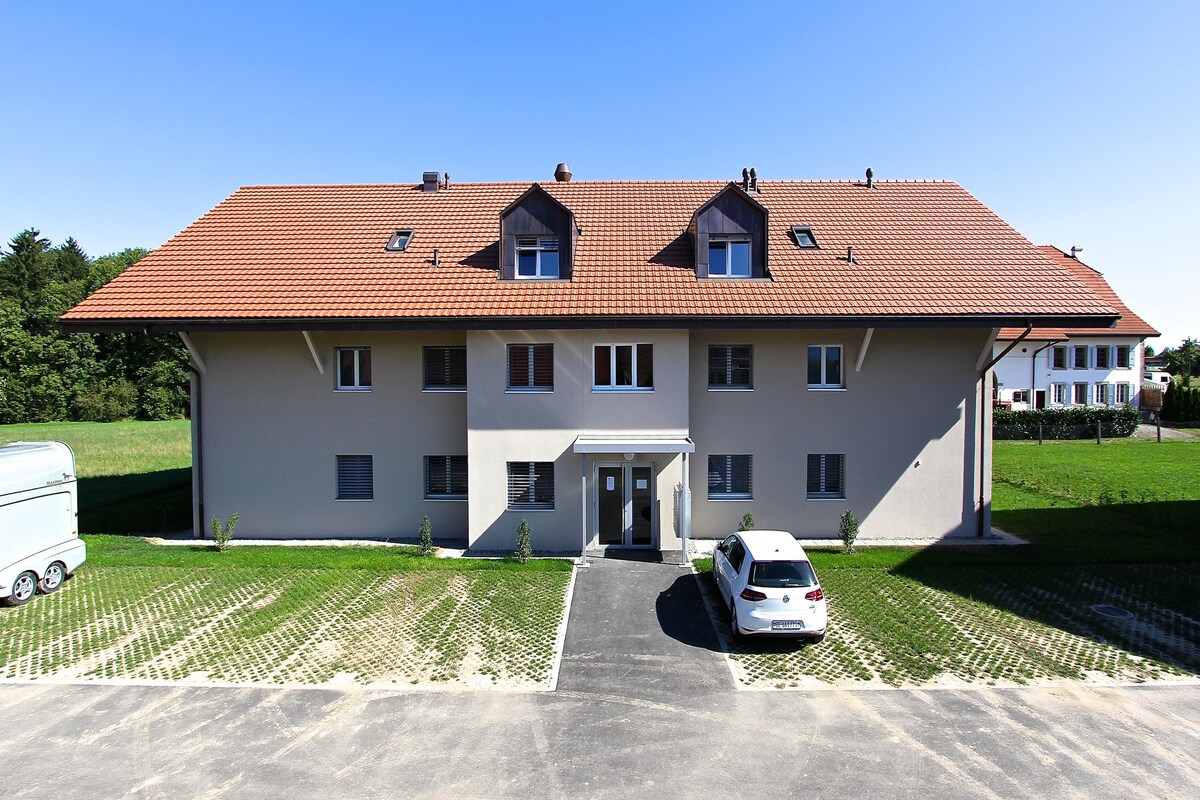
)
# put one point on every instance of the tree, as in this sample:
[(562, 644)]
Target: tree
[(1183, 360), (23, 272)]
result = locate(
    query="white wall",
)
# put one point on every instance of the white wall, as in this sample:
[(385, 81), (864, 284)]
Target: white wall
[(1023, 369)]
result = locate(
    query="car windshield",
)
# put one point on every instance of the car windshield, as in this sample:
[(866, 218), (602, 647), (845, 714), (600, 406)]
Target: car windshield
[(782, 574)]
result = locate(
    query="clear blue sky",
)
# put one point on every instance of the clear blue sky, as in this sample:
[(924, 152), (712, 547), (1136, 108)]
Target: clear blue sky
[(1078, 123)]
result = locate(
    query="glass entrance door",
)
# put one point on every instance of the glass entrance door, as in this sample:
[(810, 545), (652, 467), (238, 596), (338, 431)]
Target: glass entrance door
[(625, 505)]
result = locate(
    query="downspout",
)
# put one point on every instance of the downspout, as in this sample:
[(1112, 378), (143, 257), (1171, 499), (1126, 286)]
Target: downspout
[(198, 453), (983, 431), (1033, 372)]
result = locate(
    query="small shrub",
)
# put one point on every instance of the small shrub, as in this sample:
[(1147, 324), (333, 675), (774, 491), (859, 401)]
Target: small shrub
[(222, 535), (747, 523), (848, 530), (524, 550), (425, 540), (107, 402)]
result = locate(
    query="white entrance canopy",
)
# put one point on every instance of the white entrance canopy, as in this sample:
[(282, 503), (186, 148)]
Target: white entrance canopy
[(633, 443)]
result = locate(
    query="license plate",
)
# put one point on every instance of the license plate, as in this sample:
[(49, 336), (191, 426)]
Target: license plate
[(786, 625)]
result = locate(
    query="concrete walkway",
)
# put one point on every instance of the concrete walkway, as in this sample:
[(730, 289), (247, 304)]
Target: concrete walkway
[(638, 629)]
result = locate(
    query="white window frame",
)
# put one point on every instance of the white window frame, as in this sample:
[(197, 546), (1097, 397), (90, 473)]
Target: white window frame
[(512, 469), (448, 467), (729, 494), (537, 245), (728, 359), (824, 385), (612, 367), (531, 349), (1075, 387), (1103, 394), (1125, 389), (824, 493), (1058, 394), (726, 241), (357, 385)]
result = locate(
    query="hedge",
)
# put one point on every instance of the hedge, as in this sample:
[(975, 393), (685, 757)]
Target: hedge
[(1064, 423), (1181, 403)]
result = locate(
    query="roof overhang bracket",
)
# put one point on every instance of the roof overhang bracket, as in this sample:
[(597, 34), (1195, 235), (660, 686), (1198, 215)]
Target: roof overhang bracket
[(194, 353), (985, 354), (313, 352), (862, 351)]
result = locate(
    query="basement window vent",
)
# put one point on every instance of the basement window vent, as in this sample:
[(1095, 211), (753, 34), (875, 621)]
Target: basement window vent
[(399, 240), (804, 236)]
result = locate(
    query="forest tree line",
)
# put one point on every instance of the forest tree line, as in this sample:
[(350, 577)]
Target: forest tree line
[(47, 375)]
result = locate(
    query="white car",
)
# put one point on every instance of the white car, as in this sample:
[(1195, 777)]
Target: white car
[(769, 586)]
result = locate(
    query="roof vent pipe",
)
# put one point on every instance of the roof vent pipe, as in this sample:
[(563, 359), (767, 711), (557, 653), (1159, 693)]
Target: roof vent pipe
[(850, 255), (446, 183), (562, 173), (436, 261), (745, 179), (1075, 250), (429, 181), (870, 179), (753, 179)]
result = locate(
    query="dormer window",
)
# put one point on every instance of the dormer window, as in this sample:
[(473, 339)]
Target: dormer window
[(729, 256), (804, 236), (537, 256), (399, 240)]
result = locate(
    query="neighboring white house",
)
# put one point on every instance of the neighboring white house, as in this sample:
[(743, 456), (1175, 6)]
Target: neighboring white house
[(1059, 367), (604, 359)]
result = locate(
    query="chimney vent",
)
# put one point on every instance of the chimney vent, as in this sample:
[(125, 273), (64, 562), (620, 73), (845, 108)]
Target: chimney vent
[(429, 181), (850, 255), (446, 182), (437, 262), (745, 179), (870, 179), (753, 179), (1075, 250), (562, 173)]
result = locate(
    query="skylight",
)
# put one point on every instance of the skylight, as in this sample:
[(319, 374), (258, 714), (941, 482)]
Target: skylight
[(399, 240), (804, 236)]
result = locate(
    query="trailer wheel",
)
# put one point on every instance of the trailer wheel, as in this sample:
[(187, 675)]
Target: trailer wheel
[(53, 577), (23, 589)]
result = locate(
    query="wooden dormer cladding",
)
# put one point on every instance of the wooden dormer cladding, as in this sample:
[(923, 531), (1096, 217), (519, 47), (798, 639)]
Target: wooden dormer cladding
[(536, 214), (731, 214)]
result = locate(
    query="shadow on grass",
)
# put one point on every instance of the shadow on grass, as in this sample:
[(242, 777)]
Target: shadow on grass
[(151, 502)]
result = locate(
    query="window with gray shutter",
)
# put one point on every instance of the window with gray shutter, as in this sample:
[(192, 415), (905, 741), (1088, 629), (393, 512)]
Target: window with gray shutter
[(531, 367), (531, 485), (730, 366), (355, 478), (445, 477), (445, 369), (729, 477), (826, 476)]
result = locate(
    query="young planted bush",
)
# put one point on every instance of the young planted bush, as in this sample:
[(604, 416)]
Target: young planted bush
[(524, 550), (747, 523), (222, 535), (848, 530), (425, 540)]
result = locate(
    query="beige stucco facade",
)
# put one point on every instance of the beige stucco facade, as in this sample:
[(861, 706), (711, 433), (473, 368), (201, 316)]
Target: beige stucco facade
[(271, 425)]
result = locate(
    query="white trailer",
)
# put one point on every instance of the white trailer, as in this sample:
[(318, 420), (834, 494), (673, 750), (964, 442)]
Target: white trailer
[(39, 528)]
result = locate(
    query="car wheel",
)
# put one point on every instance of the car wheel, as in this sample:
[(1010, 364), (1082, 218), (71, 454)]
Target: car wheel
[(23, 589), (733, 623), (53, 577)]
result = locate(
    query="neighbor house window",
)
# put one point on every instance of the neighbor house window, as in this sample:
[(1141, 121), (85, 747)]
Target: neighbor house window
[(537, 257), (1080, 396), (1080, 360), (1102, 354), (355, 478), (1058, 358), (729, 477), (728, 257), (354, 369), (1058, 394), (445, 368), (825, 366), (1122, 356), (826, 476), (623, 367), (1020, 396), (445, 477), (1123, 393), (1102, 394), (531, 367), (729, 366), (531, 485)]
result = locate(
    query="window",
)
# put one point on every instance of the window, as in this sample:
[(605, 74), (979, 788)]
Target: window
[(1102, 354), (1058, 358), (445, 477), (531, 485), (399, 240), (445, 369), (804, 236), (1122, 356), (729, 477), (1080, 360), (826, 476), (355, 478), (623, 367), (1102, 394), (728, 257), (825, 366), (354, 369), (729, 366), (531, 367), (1058, 394), (1122, 393), (1020, 396), (537, 257), (1079, 397)]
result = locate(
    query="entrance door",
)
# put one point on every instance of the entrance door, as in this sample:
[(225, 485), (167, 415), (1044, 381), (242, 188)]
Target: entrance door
[(1039, 398), (625, 505)]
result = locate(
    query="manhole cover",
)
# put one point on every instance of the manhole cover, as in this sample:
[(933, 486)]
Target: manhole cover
[(1112, 611)]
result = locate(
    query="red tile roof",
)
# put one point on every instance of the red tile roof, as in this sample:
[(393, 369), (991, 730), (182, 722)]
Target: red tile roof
[(1129, 325), (316, 253)]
